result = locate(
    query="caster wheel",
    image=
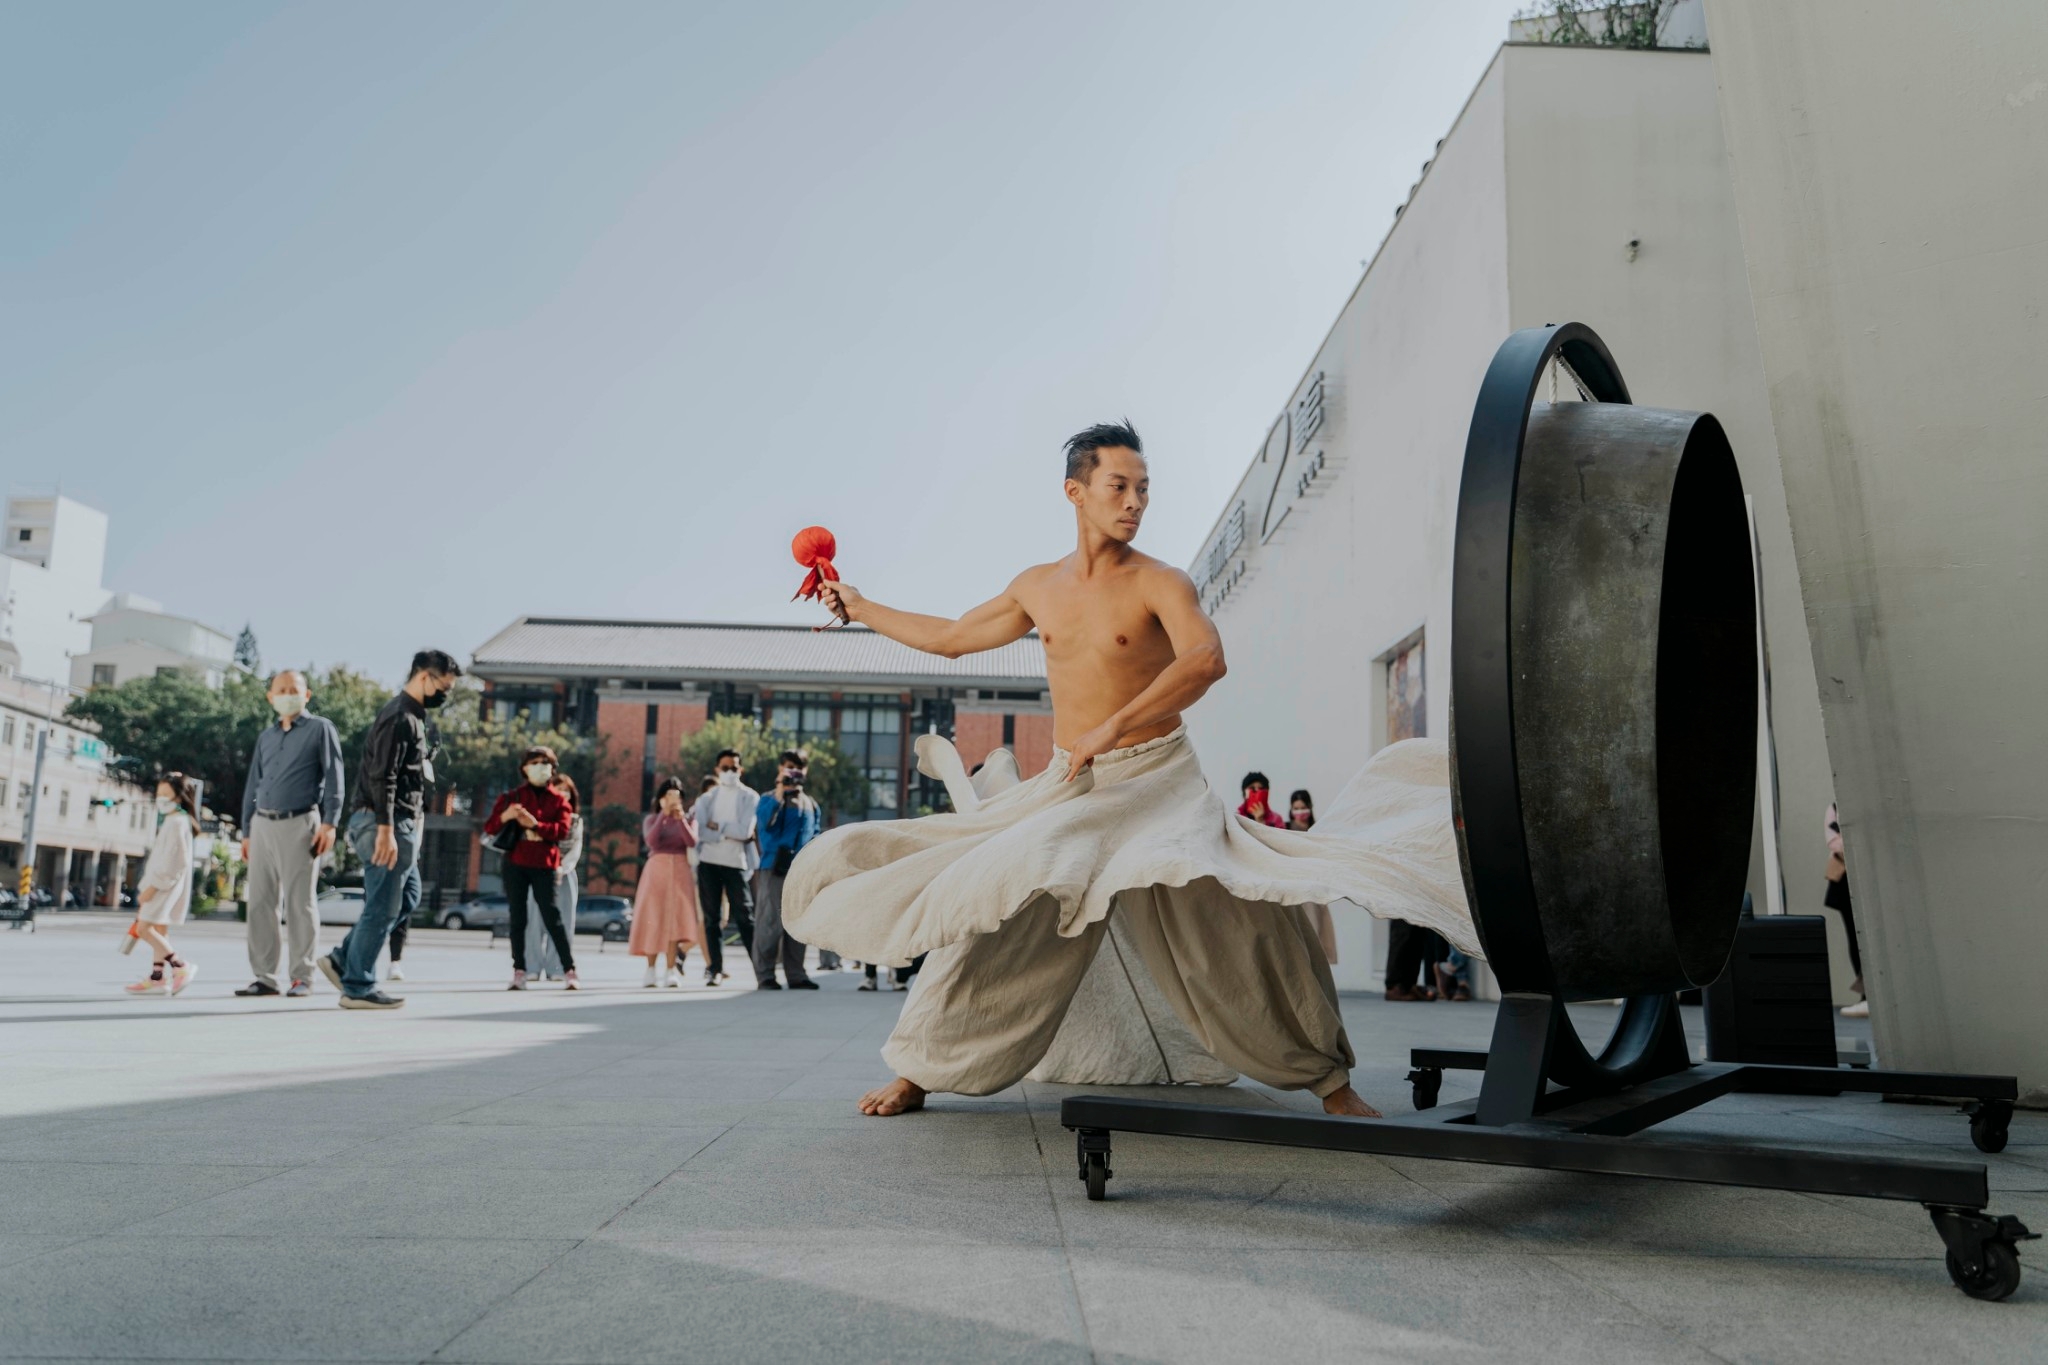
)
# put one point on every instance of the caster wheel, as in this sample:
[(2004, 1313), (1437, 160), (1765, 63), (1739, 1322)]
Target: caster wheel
[(1995, 1276), (1989, 1126), (1426, 1082), (1095, 1170)]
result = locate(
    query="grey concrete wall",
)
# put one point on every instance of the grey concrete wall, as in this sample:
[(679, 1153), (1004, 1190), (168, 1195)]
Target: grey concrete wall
[(1676, 313), (1887, 162)]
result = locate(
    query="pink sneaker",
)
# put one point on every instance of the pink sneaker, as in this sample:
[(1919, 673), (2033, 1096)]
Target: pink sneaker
[(181, 976), (518, 981), (153, 984), (569, 980)]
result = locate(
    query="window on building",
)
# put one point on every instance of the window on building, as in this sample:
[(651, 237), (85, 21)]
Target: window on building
[(6, 729), (1407, 701), (28, 735), (63, 802), (26, 534), (102, 675), (92, 810), (21, 796)]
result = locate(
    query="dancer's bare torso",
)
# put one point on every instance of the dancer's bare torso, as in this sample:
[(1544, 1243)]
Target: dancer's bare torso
[(1104, 643)]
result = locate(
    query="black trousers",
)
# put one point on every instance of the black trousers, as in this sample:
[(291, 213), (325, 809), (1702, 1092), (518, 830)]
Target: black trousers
[(540, 883), (399, 929), (1837, 899), (1412, 951), (717, 886)]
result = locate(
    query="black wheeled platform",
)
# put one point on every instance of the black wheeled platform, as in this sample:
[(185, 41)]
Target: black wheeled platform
[(1517, 1120)]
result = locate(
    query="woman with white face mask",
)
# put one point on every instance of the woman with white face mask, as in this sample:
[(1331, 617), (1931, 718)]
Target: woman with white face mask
[(542, 815), (166, 892)]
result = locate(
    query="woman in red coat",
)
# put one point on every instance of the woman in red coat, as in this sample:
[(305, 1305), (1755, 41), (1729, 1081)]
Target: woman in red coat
[(544, 815)]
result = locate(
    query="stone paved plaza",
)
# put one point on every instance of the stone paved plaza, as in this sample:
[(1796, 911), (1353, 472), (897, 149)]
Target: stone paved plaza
[(634, 1175)]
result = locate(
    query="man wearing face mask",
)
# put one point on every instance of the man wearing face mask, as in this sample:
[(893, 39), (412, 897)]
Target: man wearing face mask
[(544, 815), (385, 826), (725, 836), (290, 806)]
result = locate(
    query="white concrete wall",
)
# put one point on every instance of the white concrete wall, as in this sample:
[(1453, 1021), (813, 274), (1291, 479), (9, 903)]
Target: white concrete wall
[(45, 616), (1608, 147), (1365, 561), (1887, 162)]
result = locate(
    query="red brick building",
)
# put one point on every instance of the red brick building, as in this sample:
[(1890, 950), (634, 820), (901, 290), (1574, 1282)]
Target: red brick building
[(643, 685)]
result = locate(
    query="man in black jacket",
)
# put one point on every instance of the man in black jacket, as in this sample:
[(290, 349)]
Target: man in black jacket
[(384, 828)]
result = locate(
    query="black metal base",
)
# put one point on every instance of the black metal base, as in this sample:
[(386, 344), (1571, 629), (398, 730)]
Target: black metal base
[(1589, 1127)]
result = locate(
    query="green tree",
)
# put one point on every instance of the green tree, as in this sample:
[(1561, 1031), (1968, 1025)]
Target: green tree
[(833, 781), (611, 850), (246, 653), (480, 753), (1621, 23), (174, 722)]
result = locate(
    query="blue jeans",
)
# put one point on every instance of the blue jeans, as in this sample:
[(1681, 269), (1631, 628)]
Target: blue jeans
[(390, 894)]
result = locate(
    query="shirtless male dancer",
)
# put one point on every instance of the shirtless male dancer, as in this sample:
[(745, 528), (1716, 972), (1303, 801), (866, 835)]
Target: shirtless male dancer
[(1127, 646)]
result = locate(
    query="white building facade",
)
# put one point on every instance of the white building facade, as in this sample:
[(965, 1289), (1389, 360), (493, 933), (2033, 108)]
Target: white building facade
[(52, 554), (1578, 184), (134, 637), (92, 831)]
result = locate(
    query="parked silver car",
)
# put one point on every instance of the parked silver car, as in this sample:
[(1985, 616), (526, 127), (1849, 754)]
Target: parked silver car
[(340, 904)]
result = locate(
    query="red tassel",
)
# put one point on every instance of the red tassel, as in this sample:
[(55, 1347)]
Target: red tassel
[(813, 548)]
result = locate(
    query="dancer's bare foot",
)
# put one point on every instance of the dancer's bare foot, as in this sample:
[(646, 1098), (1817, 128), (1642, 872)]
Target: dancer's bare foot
[(900, 1097), (1342, 1100)]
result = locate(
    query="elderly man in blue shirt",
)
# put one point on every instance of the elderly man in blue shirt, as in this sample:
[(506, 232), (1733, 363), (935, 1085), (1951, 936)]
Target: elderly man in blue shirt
[(786, 819), (290, 805)]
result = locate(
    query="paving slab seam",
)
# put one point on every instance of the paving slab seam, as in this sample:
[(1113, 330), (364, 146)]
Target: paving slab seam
[(1667, 1330), (1075, 1306)]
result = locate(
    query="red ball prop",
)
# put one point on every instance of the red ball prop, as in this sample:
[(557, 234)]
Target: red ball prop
[(814, 547)]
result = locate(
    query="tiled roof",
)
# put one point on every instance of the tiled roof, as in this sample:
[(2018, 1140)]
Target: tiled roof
[(563, 647)]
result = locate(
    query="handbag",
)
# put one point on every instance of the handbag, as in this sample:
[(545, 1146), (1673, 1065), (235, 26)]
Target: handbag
[(507, 837), (784, 858)]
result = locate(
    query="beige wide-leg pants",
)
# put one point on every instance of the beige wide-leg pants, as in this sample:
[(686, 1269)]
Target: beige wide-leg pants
[(1251, 981), (281, 886)]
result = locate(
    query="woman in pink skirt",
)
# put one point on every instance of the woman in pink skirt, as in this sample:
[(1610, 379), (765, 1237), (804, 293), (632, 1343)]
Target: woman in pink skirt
[(665, 918)]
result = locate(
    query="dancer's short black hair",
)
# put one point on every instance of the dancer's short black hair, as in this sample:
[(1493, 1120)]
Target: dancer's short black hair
[(724, 754), (1255, 779), (1084, 450)]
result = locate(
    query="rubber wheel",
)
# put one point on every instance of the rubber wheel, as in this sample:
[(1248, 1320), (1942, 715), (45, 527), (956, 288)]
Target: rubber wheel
[(455, 922), (1995, 1279), (1425, 1097), (1989, 1129), (1095, 1170)]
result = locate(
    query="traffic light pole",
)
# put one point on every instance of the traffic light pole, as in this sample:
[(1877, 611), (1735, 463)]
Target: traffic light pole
[(28, 827)]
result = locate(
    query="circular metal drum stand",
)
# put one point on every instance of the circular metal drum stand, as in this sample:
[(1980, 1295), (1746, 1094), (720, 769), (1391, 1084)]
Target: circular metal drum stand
[(1603, 769)]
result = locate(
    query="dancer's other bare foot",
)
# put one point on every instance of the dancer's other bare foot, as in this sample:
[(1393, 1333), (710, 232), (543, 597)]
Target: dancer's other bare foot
[(1342, 1100), (900, 1097)]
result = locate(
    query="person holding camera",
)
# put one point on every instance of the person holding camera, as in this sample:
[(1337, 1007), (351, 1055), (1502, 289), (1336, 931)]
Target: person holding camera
[(786, 819), (527, 826)]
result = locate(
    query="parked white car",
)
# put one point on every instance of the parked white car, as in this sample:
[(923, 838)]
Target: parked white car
[(340, 905)]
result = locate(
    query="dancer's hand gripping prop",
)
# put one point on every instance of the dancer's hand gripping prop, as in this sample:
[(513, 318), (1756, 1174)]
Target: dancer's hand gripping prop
[(813, 548)]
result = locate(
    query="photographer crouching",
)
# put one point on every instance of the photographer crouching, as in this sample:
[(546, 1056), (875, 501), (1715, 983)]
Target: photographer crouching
[(786, 820)]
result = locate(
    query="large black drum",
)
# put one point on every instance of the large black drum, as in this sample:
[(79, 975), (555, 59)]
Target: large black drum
[(1603, 682)]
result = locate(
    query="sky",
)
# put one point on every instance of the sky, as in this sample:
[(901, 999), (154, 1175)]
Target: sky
[(377, 326)]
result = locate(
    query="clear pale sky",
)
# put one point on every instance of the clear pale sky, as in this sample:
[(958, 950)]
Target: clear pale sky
[(378, 325)]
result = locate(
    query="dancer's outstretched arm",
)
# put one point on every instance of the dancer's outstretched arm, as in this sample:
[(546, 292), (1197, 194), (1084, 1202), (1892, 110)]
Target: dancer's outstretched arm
[(994, 623)]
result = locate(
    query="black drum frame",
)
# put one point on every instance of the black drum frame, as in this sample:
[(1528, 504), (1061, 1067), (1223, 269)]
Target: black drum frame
[(1645, 1074)]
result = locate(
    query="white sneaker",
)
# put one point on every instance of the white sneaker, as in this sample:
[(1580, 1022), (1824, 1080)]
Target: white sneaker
[(397, 973), (653, 977), (896, 985), (675, 978), (1859, 1010)]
